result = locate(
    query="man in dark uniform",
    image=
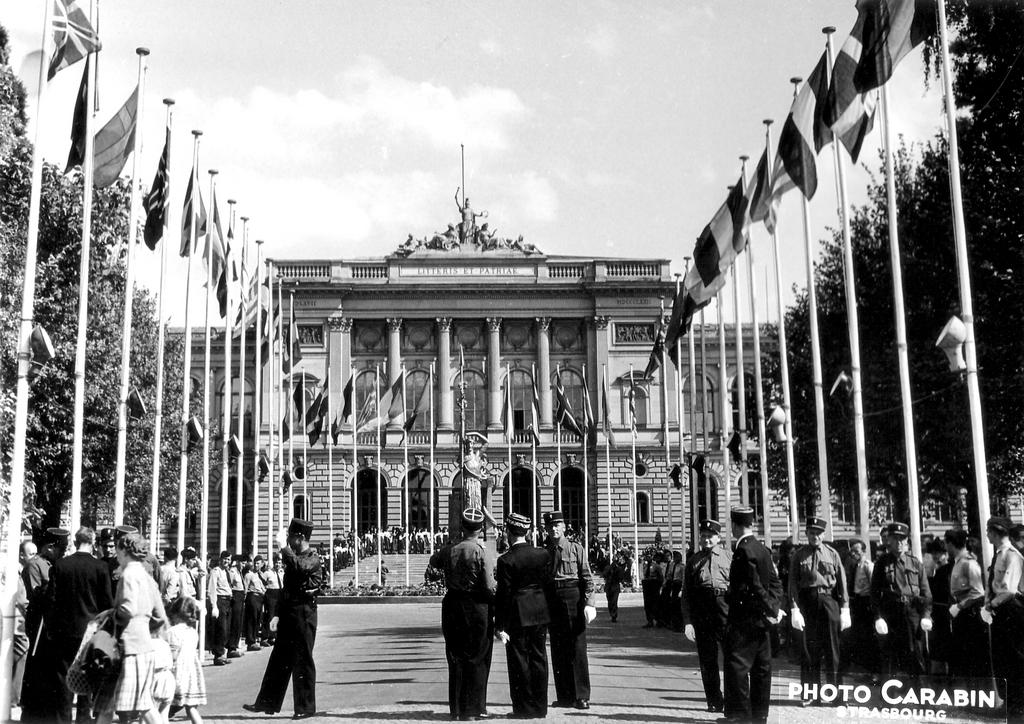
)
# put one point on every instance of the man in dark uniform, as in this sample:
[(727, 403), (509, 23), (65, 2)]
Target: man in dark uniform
[(902, 603), (466, 617), (1004, 612), (969, 642), (705, 611), (521, 619), (572, 608), (820, 604), (292, 657), (755, 593)]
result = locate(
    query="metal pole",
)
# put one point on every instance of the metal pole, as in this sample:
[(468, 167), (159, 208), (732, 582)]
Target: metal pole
[(741, 385), (355, 480), (225, 441), (433, 512), (723, 395), (762, 440), (664, 420), (240, 469), (607, 464), (257, 412), (376, 486), (634, 507)]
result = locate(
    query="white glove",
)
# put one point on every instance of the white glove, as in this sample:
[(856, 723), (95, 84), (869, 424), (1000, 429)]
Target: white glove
[(986, 615), (589, 613), (215, 612), (778, 618), (273, 625), (881, 627), (798, 619), (954, 610), (282, 537), (689, 633), (926, 624), (844, 619), (503, 637)]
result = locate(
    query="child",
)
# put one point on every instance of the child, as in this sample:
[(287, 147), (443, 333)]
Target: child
[(189, 684), (163, 678)]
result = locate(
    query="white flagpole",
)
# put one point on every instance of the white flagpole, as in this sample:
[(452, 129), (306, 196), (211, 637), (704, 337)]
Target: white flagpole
[(329, 444), (204, 524), (186, 374), (762, 440), (88, 163), (607, 462), (794, 508), (633, 507), (284, 403), (405, 464), (257, 412), (558, 445), (129, 293), (289, 401), (306, 507), (432, 511), (678, 375), (664, 420), (355, 475), (275, 412), (741, 383), (724, 402), (692, 361), (586, 464), (154, 497), (710, 496), (225, 438), (376, 485), (533, 460), (17, 489), (964, 278), (510, 432), (240, 469)]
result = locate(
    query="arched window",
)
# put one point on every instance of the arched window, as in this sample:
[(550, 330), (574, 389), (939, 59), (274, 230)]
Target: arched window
[(415, 384), (420, 509), (569, 483), (522, 489), (754, 497), (300, 509), (637, 408), (522, 400), (704, 402), (476, 400), (364, 388), (642, 507), (707, 496), (249, 399), (370, 498), (749, 401), (572, 383), (302, 389)]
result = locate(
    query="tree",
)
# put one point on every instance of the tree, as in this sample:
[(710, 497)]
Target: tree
[(49, 441)]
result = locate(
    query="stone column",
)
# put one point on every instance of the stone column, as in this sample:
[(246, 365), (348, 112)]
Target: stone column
[(443, 406), (544, 369), (338, 358), (598, 353), (394, 357), (494, 373)]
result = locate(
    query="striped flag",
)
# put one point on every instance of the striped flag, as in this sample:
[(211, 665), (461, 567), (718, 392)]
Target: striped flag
[(632, 405), (563, 410), (654, 361), (890, 30), (606, 410), (716, 247), (76, 156), (315, 415), (368, 414), (193, 208), (683, 308), (158, 200), (507, 422), (588, 411), (803, 135), (762, 206), (346, 410), (422, 406), (115, 142), (73, 36), (848, 112), (534, 411)]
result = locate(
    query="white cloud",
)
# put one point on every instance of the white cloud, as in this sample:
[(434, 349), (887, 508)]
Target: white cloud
[(603, 40), (490, 46)]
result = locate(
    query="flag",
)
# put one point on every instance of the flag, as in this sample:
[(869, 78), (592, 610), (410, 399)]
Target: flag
[(269, 334), (115, 142), (535, 412), (213, 250), (588, 411), (346, 410), (507, 422), (191, 210), (291, 349), (73, 36), (368, 414), (286, 431), (848, 112), (683, 309), (762, 206), (315, 415), (606, 407), (803, 135), (422, 406), (393, 402), (890, 30), (563, 410), (158, 200), (76, 156), (632, 405), (716, 247), (654, 362)]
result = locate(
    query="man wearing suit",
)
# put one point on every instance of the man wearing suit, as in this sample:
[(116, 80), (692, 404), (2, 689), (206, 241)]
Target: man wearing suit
[(521, 618), (79, 590), (754, 595)]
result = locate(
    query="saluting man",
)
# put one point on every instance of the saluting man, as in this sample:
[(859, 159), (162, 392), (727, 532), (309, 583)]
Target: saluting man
[(572, 608), (705, 611), (901, 601), (295, 624), (466, 617), (755, 593), (1004, 611), (821, 604), (521, 617)]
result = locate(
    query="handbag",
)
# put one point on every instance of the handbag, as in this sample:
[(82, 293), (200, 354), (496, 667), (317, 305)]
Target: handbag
[(98, 657)]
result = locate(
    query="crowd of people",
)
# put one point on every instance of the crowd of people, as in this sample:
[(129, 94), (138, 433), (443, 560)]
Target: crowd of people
[(346, 546)]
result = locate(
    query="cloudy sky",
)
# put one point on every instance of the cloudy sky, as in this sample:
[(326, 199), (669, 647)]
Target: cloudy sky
[(607, 128)]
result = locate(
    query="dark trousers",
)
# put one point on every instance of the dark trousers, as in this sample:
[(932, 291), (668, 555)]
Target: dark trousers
[(292, 658), (42, 694), (220, 627), (612, 594), (1008, 654), (253, 617), (709, 630), (270, 599), (652, 590), (569, 645), (821, 636), (902, 652), (748, 671), (969, 646), (857, 643), (527, 657), (66, 648), (237, 614), (468, 644)]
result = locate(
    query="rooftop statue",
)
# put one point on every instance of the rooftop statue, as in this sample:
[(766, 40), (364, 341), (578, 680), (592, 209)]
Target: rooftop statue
[(467, 236)]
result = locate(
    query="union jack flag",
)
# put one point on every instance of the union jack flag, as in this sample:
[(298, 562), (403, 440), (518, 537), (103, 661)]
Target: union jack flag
[(73, 36)]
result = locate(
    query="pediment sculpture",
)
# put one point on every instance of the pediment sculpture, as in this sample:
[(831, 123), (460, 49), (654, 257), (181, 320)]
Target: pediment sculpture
[(466, 236)]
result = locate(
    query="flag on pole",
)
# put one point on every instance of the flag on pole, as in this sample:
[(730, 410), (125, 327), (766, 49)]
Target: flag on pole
[(606, 407), (716, 247), (158, 200), (535, 412), (286, 430), (654, 361), (422, 406), (392, 404), (589, 425), (292, 348), (762, 206), (507, 422), (73, 36), (632, 406), (803, 135), (367, 419), (848, 112), (315, 415), (76, 156), (269, 321), (891, 29), (193, 208), (683, 308), (115, 142), (346, 410), (563, 411)]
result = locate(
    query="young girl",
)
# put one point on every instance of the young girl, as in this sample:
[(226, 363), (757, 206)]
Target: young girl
[(190, 686), (163, 677)]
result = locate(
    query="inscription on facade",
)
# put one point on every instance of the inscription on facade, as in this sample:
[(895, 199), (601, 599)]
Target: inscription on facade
[(626, 333), (465, 271), (633, 301)]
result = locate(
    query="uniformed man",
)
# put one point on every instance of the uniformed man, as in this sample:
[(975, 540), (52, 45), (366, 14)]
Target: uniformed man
[(572, 608), (521, 617), (820, 604), (467, 617), (295, 624), (705, 611), (969, 649), (754, 596), (901, 603), (858, 642), (1004, 611)]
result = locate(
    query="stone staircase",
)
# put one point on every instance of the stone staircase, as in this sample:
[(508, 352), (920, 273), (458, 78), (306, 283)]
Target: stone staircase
[(395, 563)]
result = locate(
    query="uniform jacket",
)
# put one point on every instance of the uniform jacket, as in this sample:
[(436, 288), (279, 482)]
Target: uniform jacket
[(303, 576), (900, 579), (569, 561), (755, 591), (139, 608), (818, 567), (468, 567), (79, 589), (706, 570), (524, 582)]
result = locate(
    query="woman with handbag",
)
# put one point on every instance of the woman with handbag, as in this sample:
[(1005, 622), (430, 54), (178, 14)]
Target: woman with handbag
[(138, 613)]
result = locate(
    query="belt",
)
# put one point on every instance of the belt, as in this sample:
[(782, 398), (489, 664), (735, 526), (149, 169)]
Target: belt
[(827, 590), (710, 590), (566, 583)]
